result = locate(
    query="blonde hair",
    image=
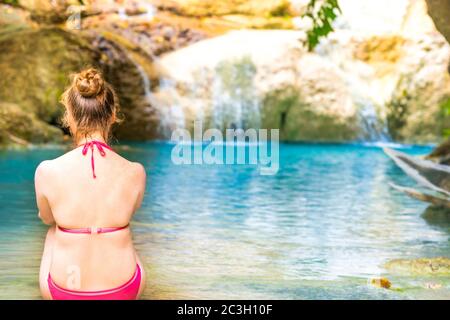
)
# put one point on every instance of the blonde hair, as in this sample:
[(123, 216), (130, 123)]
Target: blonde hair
[(91, 105)]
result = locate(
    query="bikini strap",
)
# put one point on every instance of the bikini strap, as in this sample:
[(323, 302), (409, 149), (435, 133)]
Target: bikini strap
[(100, 146), (92, 230)]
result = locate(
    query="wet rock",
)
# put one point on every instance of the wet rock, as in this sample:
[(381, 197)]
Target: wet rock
[(151, 36), (439, 10), (13, 19), (46, 11), (441, 154), (438, 216), (415, 109), (19, 127), (381, 283), (422, 266), (35, 65), (220, 16), (211, 7)]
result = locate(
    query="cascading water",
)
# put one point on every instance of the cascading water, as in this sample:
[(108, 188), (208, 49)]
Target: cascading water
[(225, 97), (171, 115), (234, 101), (374, 129)]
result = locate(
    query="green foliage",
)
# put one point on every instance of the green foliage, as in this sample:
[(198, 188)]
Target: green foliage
[(446, 110), (396, 117), (11, 2), (282, 10), (322, 14)]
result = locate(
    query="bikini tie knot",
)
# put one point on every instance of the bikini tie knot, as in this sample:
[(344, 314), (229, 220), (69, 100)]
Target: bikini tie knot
[(100, 147)]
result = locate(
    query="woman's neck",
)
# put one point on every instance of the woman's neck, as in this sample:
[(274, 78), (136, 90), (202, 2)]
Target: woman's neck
[(91, 137)]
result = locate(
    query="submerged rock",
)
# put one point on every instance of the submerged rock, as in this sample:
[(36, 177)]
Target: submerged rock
[(438, 216), (422, 266), (381, 283)]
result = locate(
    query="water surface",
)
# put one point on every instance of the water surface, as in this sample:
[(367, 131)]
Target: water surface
[(319, 229)]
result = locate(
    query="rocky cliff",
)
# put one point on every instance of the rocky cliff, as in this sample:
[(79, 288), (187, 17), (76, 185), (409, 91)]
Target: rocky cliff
[(381, 75)]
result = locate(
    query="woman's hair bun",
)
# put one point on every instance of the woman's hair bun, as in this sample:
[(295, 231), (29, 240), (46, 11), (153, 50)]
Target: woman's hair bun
[(89, 83)]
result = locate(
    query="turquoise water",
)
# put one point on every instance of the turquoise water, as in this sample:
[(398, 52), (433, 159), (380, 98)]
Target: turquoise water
[(319, 229)]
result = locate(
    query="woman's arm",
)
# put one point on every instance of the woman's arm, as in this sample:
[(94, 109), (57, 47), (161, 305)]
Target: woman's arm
[(41, 183), (141, 180)]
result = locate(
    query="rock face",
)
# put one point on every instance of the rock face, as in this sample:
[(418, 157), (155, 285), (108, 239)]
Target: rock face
[(439, 11), (381, 74), (257, 79), (47, 11), (35, 66), (21, 127), (219, 16)]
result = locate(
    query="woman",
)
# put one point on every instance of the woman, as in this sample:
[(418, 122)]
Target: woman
[(89, 203)]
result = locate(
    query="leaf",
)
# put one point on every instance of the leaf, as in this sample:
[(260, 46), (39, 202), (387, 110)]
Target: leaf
[(322, 20)]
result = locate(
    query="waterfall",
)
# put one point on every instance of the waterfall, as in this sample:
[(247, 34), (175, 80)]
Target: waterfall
[(234, 102), (234, 107), (223, 97), (171, 114), (145, 81), (374, 129)]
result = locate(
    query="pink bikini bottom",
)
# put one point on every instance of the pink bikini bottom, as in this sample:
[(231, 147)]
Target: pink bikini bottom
[(127, 291)]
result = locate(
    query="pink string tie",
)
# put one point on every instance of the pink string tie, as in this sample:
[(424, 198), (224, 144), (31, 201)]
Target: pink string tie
[(100, 146)]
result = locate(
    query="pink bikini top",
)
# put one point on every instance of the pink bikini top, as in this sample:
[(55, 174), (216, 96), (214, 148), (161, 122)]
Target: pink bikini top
[(93, 230), (100, 146)]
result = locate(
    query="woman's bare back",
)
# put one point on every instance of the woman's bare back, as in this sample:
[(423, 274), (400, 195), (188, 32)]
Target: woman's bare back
[(76, 200)]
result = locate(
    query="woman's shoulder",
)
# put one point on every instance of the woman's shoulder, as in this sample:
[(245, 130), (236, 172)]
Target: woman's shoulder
[(51, 166), (138, 171), (43, 172), (44, 167)]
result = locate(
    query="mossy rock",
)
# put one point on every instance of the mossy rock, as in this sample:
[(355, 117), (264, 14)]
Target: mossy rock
[(21, 127), (422, 266), (35, 66), (298, 121), (202, 8), (413, 121)]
